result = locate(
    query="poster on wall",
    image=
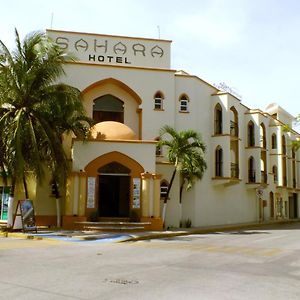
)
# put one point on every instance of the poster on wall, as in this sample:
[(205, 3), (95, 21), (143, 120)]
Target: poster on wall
[(4, 203), (136, 193), (91, 192)]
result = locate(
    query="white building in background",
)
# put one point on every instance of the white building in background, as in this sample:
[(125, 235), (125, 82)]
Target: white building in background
[(129, 89)]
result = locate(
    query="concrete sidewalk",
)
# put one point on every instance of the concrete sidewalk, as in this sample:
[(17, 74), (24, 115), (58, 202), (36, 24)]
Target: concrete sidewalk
[(123, 236)]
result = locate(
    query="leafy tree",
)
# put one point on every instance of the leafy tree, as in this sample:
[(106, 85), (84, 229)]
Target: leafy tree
[(186, 151), (36, 110)]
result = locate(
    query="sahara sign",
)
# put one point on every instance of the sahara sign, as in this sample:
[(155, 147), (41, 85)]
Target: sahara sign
[(114, 50)]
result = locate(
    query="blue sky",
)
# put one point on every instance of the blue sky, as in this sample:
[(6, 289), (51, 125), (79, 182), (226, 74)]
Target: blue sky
[(251, 45)]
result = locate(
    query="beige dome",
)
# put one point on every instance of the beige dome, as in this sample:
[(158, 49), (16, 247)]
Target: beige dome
[(110, 130)]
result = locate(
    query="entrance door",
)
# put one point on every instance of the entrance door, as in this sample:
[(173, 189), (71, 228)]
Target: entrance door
[(293, 206), (114, 195)]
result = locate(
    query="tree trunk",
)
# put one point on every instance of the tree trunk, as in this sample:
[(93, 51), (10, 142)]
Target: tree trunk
[(167, 196), (181, 189), (58, 224), (10, 213), (25, 187)]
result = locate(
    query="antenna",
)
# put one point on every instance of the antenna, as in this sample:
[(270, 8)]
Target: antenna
[(158, 29), (52, 15)]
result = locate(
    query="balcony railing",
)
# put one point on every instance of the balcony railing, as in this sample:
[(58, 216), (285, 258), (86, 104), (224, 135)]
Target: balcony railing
[(284, 181), (264, 177), (275, 178), (234, 129), (251, 176), (219, 169), (234, 170)]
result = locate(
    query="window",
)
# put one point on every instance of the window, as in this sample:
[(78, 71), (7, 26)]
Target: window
[(275, 174), (158, 101), (218, 119), (283, 145), (251, 170), (158, 150), (219, 162), (274, 141), (234, 121), (163, 189), (108, 108), (183, 103), (251, 134), (263, 143)]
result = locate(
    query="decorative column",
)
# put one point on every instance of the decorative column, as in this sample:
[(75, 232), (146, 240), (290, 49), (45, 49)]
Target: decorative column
[(69, 195), (156, 195), (82, 194), (146, 177)]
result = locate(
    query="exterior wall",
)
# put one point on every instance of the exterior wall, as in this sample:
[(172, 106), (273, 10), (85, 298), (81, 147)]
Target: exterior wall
[(85, 152), (214, 200)]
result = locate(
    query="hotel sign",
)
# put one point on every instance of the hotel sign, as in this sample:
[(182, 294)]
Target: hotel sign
[(114, 50)]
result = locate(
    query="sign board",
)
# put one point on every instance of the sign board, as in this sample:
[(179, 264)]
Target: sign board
[(91, 185), (114, 50), (136, 193), (24, 217), (4, 203)]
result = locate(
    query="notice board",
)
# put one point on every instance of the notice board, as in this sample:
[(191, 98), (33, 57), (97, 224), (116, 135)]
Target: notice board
[(25, 217)]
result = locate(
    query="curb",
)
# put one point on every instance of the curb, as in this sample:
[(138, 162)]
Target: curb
[(162, 234), (233, 227)]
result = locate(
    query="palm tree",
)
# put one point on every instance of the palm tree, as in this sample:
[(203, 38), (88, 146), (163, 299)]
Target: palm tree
[(36, 110), (186, 151)]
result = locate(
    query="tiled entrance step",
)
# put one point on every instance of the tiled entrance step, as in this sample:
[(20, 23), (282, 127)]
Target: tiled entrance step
[(113, 225)]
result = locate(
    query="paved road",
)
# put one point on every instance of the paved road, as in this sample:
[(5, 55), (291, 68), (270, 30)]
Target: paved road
[(254, 264)]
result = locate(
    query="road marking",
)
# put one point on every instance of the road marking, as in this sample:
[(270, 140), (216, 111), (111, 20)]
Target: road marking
[(264, 252), (20, 243)]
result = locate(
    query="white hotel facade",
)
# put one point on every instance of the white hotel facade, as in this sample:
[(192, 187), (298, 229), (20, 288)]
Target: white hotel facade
[(253, 174)]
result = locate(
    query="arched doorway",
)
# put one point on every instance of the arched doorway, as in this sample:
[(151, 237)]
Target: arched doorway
[(114, 174), (114, 190)]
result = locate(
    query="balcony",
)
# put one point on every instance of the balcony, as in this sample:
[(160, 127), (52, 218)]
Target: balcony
[(264, 177), (284, 180), (234, 129), (275, 178), (234, 168), (251, 176)]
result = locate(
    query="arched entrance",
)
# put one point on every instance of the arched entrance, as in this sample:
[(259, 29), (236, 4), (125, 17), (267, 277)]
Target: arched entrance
[(114, 174), (114, 190)]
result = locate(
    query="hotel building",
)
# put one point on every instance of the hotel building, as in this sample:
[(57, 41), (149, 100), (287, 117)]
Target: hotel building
[(130, 90)]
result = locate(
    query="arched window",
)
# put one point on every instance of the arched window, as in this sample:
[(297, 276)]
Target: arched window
[(263, 143), (274, 141), (264, 176), (158, 150), (275, 173), (272, 205), (164, 185), (251, 169), (219, 162), (283, 145), (218, 119), (158, 101), (251, 134), (184, 103), (234, 122), (108, 108)]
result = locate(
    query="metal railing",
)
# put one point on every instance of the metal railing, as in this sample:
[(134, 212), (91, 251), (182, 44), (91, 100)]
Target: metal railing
[(234, 170), (234, 129), (251, 176), (264, 177)]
